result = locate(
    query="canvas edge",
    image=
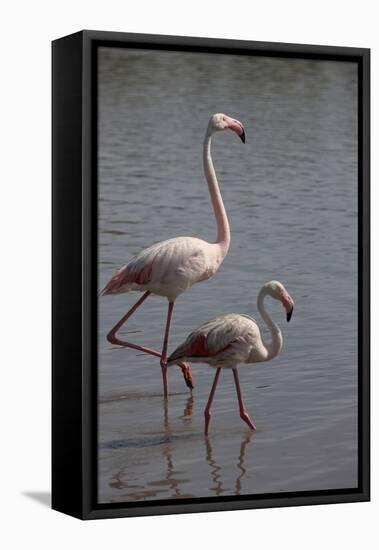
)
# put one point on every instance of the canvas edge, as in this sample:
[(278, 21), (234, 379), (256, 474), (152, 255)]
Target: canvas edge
[(84, 508), (67, 421)]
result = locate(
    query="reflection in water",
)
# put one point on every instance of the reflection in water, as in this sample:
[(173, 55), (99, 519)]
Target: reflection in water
[(173, 479), (188, 409), (166, 421), (118, 482), (216, 478), (241, 460), (216, 469)]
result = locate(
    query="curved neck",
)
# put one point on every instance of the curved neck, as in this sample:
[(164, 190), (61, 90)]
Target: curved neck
[(276, 344), (223, 229)]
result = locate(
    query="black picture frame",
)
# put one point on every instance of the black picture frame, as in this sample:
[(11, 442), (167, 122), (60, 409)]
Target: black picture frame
[(74, 174)]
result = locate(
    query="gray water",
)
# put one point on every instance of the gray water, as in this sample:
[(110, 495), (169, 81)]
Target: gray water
[(291, 197)]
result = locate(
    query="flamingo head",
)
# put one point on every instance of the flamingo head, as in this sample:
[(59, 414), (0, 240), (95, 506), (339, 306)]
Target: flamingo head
[(220, 122), (278, 291)]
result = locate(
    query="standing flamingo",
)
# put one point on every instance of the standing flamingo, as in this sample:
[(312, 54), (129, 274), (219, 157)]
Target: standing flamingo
[(171, 267), (231, 339)]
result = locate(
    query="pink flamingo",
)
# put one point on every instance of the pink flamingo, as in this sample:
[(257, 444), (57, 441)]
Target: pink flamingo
[(171, 267), (231, 339)]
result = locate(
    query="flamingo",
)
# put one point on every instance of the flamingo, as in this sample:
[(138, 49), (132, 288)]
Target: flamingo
[(169, 268), (234, 338)]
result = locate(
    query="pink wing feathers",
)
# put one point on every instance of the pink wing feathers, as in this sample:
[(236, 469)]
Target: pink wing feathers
[(130, 273), (230, 333), (167, 268), (138, 271)]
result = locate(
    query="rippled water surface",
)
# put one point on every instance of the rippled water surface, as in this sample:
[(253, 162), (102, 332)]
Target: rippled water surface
[(290, 194)]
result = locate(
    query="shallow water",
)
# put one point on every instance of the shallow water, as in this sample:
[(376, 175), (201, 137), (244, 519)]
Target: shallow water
[(290, 194)]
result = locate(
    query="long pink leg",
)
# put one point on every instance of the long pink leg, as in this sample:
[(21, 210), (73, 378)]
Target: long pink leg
[(113, 339), (207, 411), (111, 336), (186, 370), (243, 413), (164, 349)]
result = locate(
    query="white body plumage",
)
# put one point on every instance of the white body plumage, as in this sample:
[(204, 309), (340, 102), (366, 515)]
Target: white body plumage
[(169, 268), (232, 339)]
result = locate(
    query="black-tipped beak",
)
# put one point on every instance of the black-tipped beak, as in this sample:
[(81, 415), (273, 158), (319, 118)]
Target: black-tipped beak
[(289, 315), (243, 136)]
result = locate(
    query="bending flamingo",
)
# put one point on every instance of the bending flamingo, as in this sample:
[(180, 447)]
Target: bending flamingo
[(171, 267), (231, 339)]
